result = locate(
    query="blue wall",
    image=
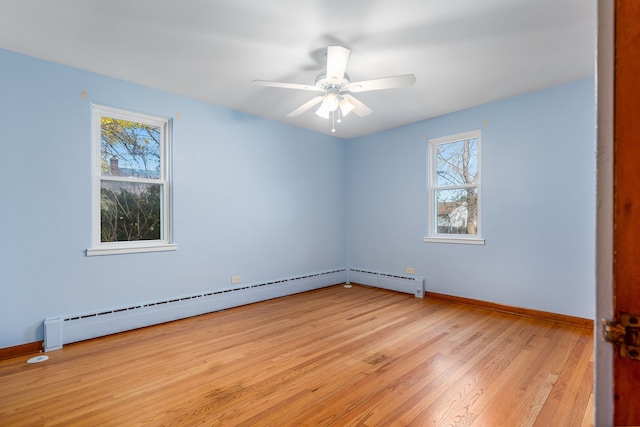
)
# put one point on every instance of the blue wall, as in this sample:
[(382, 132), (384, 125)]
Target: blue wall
[(538, 203), (252, 197), (267, 201)]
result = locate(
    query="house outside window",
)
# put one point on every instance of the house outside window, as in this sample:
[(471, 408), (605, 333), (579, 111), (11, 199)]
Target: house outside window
[(454, 189), (131, 182)]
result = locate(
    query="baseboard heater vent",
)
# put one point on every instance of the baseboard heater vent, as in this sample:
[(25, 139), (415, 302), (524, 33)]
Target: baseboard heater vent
[(407, 284), (62, 330)]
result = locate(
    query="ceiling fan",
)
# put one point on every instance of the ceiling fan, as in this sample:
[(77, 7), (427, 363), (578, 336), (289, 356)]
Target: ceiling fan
[(336, 88)]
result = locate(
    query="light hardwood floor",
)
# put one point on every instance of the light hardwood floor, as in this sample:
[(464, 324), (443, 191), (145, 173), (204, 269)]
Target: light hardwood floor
[(331, 357)]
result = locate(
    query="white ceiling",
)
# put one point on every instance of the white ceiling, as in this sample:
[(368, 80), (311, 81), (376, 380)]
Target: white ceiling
[(463, 52)]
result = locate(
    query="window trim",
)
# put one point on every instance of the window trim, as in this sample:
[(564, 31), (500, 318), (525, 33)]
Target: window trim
[(432, 235), (112, 248)]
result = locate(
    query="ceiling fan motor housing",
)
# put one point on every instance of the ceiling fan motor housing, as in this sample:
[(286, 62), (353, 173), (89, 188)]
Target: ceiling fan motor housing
[(323, 83)]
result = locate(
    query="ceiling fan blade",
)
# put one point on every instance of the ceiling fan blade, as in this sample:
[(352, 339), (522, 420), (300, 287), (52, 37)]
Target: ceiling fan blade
[(304, 107), (287, 85), (383, 83), (359, 108), (337, 58)]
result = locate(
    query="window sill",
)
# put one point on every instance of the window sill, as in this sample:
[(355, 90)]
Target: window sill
[(457, 240), (115, 250)]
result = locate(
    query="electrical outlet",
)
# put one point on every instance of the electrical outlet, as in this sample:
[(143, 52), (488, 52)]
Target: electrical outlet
[(411, 270), (236, 279)]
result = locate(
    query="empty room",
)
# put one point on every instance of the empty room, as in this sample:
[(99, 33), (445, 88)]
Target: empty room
[(298, 213)]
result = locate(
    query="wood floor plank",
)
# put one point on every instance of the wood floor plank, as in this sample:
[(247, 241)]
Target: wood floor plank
[(478, 377), (588, 418), (523, 390), (330, 357), (569, 400)]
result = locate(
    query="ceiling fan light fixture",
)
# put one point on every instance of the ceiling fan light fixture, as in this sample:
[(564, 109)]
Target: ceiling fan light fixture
[(346, 107), (323, 112), (331, 102)]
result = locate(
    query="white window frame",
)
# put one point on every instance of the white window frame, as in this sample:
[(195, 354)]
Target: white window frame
[(432, 235), (124, 247)]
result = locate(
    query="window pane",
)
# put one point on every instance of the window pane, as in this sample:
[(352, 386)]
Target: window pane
[(129, 149), (130, 211), (457, 163), (457, 211)]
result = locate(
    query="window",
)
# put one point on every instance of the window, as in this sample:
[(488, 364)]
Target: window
[(454, 189), (131, 187)]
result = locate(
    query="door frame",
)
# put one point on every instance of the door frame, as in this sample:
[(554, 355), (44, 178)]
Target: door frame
[(604, 352)]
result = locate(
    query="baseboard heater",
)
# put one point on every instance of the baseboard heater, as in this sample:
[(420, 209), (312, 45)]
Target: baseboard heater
[(407, 284), (62, 330)]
